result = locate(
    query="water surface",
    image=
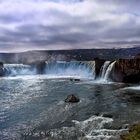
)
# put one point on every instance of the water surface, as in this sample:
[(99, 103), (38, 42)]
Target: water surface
[(32, 106)]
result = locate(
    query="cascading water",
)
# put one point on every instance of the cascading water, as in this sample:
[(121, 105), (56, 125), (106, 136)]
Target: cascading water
[(68, 69), (59, 69), (18, 69), (62, 69), (106, 70), (109, 69)]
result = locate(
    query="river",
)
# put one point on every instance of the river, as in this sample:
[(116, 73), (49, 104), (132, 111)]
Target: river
[(32, 107)]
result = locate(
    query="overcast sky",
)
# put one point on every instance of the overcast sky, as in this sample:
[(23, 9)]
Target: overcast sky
[(68, 24)]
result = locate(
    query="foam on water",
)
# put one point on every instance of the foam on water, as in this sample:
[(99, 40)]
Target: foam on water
[(98, 128), (133, 88), (94, 128)]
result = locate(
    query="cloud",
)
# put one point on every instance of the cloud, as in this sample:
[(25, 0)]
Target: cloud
[(68, 24)]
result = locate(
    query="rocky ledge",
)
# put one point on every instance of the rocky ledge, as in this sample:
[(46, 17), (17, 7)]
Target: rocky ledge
[(127, 70)]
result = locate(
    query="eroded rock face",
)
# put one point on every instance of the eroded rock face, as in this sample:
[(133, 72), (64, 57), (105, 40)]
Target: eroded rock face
[(2, 71), (98, 64), (40, 67), (127, 70)]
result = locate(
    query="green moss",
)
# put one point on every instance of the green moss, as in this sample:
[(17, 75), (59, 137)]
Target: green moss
[(133, 134)]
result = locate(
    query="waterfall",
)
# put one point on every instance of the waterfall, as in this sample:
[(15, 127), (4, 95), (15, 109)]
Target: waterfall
[(108, 71), (18, 69), (53, 69), (104, 68), (84, 69), (91, 65), (68, 69)]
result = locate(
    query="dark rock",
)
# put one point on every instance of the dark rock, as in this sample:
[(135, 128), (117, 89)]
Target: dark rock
[(97, 114), (74, 79), (2, 70), (125, 126), (72, 99), (127, 71), (40, 67), (107, 115), (1, 64), (98, 65)]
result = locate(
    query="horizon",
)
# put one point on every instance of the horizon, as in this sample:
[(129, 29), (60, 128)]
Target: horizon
[(113, 48), (68, 24)]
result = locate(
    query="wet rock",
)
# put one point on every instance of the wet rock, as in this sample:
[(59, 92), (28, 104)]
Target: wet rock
[(98, 64), (72, 99), (107, 115), (127, 70), (40, 67), (125, 126), (77, 80), (2, 70)]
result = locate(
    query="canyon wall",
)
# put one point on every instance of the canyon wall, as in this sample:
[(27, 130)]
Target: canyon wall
[(127, 70)]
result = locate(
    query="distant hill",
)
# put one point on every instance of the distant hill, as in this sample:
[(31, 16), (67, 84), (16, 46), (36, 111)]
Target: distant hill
[(68, 55)]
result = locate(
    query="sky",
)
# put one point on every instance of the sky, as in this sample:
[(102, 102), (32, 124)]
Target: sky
[(68, 24)]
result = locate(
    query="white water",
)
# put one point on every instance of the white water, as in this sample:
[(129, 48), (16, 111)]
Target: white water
[(108, 71), (19, 69), (94, 128), (105, 72), (62, 69), (104, 68), (68, 69), (98, 128), (52, 70)]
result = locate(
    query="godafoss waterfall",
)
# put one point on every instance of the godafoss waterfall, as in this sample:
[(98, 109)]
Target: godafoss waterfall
[(33, 107)]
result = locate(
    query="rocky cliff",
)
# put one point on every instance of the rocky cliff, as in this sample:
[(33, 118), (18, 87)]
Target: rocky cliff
[(127, 70)]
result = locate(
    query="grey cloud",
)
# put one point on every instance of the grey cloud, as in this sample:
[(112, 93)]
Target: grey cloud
[(72, 28)]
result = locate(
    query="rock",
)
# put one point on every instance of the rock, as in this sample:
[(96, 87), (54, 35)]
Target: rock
[(98, 65), (74, 79), (2, 70), (127, 71), (125, 126), (40, 67), (107, 115), (72, 99)]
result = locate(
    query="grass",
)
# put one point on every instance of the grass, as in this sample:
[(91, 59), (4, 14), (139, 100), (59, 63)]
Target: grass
[(133, 134)]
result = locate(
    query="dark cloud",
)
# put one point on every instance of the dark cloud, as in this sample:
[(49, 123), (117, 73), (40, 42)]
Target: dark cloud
[(44, 24)]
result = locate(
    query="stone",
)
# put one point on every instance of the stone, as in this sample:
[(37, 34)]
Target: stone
[(107, 115), (40, 67), (72, 99), (74, 79), (2, 70), (127, 71)]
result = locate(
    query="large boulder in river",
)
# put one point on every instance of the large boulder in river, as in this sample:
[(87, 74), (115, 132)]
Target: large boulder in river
[(72, 99)]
